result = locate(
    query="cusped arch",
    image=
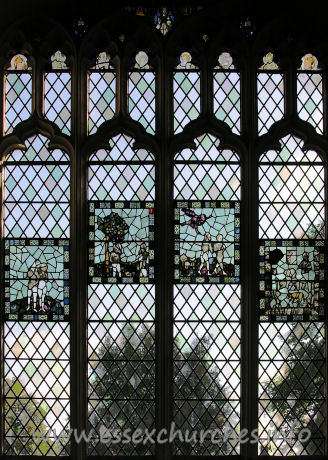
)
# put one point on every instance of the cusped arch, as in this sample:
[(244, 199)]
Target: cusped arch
[(116, 126), (32, 127), (211, 125)]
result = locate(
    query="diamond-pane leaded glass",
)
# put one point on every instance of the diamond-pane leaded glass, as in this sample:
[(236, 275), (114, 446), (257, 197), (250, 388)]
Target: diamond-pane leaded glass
[(121, 310), (18, 99), (310, 99), (36, 387), (291, 192), (36, 196), (130, 180), (57, 102), (206, 173), (226, 89), (270, 99), (207, 316), (102, 98), (142, 99), (291, 388), (36, 299), (186, 98)]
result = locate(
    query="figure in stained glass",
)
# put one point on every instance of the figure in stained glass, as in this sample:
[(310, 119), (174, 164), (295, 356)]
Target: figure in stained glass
[(141, 60), (218, 249), (163, 20), (102, 61), (115, 259), (225, 61), (18, 62), (207, 248), (58, 61), (143, 260), (185, 61), (268, 62), (309, 62), (196, 220), (37, 287)]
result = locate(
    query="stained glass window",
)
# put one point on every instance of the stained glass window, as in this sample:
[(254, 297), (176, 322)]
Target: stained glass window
[(206, 352), (102, 92), (57, 88), (200, 309), (226, 92), (292, 299), (36, 231), (121, 313), (18, 92), (270, 94), (141, 89), (186, 92)]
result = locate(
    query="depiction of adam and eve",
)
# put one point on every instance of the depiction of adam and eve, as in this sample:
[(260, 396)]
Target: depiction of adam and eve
[(206, 242), (121, 243), (292, 275), (36, 275)]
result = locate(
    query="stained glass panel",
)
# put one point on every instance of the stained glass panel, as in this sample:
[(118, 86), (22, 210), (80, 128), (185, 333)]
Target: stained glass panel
[(36, 279), (292, 279), (207, 242), (270, 99), (121, 312), (121, 237)]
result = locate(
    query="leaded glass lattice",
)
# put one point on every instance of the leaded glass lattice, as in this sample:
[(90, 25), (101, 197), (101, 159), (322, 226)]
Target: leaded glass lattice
[(226, 101), (36, 387), (186, 98), (102, 98), (141, 101), (291, 192), (18, 99), (270, 99), (207, 296), (310, 99), (36, 299), (207, 365), (121, 314), (291, 388), (57, 99)]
